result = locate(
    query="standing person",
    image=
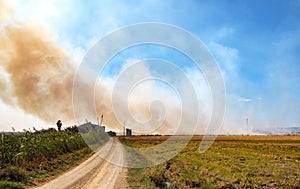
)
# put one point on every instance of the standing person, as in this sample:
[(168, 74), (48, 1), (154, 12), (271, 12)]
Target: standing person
[(59, 124)]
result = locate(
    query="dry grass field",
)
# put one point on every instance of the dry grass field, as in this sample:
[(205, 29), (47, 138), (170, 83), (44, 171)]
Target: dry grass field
[(231, 162)]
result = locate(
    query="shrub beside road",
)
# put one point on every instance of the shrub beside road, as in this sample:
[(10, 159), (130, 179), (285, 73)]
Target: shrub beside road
[(32, 157)]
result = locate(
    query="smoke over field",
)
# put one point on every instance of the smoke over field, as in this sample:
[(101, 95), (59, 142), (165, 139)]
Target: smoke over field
[(37, 76), (40, 73), (36, 73)]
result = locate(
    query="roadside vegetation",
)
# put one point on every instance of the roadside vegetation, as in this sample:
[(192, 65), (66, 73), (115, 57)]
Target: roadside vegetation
[(29, 158), (230, 162)]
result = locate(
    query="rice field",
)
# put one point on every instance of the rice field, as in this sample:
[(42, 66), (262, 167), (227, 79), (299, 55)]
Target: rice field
[(231, 162)]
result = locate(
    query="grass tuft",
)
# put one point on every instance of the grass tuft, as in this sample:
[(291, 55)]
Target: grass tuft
[(10, 185)]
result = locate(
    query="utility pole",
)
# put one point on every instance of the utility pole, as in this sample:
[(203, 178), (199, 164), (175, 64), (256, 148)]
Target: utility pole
[(101, 120), (124, 129), (247, 124)]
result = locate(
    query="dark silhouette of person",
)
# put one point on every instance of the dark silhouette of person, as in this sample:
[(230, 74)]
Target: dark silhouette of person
[(59, 124)]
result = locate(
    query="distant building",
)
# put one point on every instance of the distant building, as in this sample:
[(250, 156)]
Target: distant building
[(87, 127), (128, 132), (101, 128)]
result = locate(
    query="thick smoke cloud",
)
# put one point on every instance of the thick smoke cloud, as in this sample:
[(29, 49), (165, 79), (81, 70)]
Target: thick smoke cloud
[(39, 71), (5, 10), (37, 76)]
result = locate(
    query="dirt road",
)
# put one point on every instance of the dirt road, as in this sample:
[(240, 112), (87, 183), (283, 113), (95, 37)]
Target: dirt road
[(95, 172)]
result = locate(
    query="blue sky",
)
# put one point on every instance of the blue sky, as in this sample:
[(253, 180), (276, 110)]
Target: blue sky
[(256, 44)]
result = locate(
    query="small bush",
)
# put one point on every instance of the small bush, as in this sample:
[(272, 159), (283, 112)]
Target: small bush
[(10, 185), (13, 173), (73, 129)]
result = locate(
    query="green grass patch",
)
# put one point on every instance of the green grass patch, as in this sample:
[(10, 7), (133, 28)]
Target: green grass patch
[(10, 185)]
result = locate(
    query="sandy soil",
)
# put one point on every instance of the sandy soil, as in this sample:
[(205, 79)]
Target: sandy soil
[(95, 172)]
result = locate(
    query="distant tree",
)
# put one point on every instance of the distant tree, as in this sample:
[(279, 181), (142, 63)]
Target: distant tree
[(46, 130), (111, 133), (59, 124), (72, 129)]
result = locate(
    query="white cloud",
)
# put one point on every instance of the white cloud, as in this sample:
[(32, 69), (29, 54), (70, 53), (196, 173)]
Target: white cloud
[(224, 32), (228, 60), (259, 98), (226, 56), (130, 62), (242, 99)]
